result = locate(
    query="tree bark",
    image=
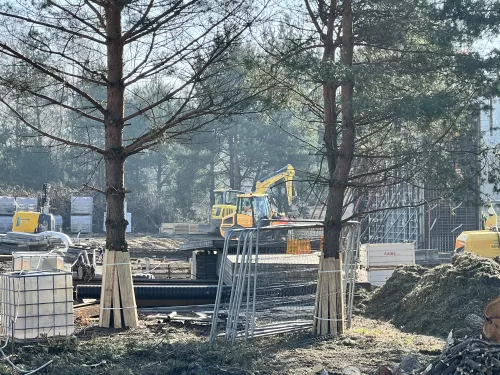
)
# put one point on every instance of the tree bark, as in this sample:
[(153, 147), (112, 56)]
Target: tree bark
[(118, 305), (230, 143), (114, 157), (332, 232), (343, 158), (330, 304), (159, 173), (212, 178)]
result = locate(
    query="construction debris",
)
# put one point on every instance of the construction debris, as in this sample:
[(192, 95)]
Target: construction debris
[(469, 356), (438, 300), (491, 326), (194, 317)]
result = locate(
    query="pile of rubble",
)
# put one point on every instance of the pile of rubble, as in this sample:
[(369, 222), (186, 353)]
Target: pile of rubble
[(437, 300), (469, 356)]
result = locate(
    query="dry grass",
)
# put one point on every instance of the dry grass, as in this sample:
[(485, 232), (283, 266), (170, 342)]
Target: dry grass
[(164, 349)]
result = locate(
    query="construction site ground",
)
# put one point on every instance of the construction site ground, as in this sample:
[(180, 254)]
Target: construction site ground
[(415, 301), (158, 348)]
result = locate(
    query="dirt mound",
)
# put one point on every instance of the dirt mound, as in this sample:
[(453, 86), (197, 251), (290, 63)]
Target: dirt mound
[(437, 300)]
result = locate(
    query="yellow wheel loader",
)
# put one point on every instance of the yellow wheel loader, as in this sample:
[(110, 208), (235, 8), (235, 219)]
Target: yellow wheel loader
[(225, 204)]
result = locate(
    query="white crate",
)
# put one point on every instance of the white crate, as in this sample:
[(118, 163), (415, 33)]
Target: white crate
[(36, 260), (378, 277), (27, 204), (7, 205), (386, 255), (36, 304), (81, 224), (82, 205)]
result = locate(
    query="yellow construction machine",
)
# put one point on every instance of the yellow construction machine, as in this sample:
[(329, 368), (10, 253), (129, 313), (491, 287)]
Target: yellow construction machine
[(285, 174), (254, 207), (225, 204), (485, 242), (35, 222), (251, 209)]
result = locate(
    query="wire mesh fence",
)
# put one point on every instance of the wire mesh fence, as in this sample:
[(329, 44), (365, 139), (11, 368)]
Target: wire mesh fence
[(273, 273)]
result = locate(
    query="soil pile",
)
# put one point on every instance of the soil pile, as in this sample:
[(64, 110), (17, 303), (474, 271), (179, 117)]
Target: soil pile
[(437, 300)]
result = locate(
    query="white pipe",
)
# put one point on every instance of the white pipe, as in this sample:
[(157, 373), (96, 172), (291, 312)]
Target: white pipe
[(65, 238)]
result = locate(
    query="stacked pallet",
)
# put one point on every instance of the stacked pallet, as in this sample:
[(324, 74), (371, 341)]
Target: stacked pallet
[(26, 204), (81, 214), (7, 209), (204, 265)]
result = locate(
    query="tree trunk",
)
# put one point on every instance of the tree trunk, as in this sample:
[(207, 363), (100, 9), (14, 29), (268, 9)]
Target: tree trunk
[(159, 173), (237, 169), (115, 158), (332, 232), (329, 308), (230, 144), (212, 179), (340, 174), (234, 166), (117, 291)]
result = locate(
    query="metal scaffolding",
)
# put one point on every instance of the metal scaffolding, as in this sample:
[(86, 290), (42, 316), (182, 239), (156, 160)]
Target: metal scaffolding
[(389, 223)]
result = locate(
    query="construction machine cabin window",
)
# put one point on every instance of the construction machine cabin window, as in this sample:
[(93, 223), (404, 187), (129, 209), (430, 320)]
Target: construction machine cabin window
[(245, 206), (262, 209), (231, 197), (219, 197)]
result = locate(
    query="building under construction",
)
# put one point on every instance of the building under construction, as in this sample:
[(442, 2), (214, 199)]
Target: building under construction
[(426, 219)]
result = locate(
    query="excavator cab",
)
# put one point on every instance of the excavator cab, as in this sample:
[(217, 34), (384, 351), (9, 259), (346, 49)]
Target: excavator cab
[(251, 210)]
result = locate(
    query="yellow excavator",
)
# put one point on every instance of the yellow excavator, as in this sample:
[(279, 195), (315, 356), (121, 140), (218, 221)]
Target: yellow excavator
[(485, 242), (255, 207), (250, 210), (35, 222), (285, 174)]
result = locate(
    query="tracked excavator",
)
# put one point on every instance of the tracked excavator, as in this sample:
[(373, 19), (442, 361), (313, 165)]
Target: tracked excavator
[(255, 208), (251, 210), (285, 174)]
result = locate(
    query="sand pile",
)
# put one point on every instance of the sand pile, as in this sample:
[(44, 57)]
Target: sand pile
[(437, 300)]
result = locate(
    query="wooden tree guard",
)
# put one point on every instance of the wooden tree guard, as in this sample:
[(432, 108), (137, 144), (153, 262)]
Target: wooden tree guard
[(329, 309), (118, 308)]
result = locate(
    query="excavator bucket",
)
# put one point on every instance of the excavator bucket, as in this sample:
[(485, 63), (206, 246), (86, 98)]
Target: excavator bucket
[(491, 327)]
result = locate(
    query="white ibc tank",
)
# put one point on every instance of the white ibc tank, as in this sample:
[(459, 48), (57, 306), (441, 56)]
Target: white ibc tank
[(27, 204), (7, 205), (82, 205), (80, 223), (42, 301)]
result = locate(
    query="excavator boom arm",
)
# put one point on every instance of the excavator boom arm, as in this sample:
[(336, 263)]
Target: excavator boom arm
[(286, 173)]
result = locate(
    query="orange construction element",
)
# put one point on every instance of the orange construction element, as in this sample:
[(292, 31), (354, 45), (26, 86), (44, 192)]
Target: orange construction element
[(297, 247)]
